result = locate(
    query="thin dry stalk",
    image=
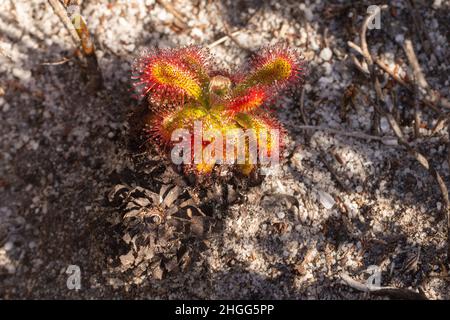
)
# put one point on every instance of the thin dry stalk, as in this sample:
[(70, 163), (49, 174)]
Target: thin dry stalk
[(414, 63), (79, 32), (179, 17), (392, 292)]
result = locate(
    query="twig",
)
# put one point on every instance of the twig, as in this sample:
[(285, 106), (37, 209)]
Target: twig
[(80, 35), (414, 62), (386, 69), (62, 14), (417, 116), (395, 109), (423, 98), (368, 57), (233, 38), (56, 63), (391, 292), (359, 66), (302, 107), (448, 209), (178, 16), (440, 123), (419, 81), (376, 120), (228, 29), (223, 39), (363, 39), (355, 47), (420, 77)]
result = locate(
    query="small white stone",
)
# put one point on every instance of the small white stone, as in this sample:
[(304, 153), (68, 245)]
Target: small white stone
[(164, 16), (10, 268), (46, 114), (34, 145), (21, 74), (307, 87), (127, 259), (196, 32), (281, 215), (327, 67), (130, 47), (314, 44), (400, 38), (437, 4), (326, 199), (326, 54), (359, 189), (8, 246)]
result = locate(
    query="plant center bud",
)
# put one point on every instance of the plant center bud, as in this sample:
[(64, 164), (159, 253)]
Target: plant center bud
[(219, 85)]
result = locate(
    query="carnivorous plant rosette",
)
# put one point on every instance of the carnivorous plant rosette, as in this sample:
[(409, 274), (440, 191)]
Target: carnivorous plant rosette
[(185, 92)]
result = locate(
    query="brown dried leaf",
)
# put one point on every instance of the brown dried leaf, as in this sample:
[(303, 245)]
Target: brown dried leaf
[(127, 259), (172, 196)]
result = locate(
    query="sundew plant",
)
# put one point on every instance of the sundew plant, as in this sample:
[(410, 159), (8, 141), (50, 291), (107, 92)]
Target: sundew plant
[(186, 95)]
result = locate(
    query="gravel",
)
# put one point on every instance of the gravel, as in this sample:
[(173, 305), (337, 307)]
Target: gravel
[(64, 148), (326, 54)]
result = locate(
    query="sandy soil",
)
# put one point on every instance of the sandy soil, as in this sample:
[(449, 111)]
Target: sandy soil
[(64, 148)]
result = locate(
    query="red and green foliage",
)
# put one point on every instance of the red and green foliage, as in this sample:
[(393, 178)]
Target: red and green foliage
[(182, 86)]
